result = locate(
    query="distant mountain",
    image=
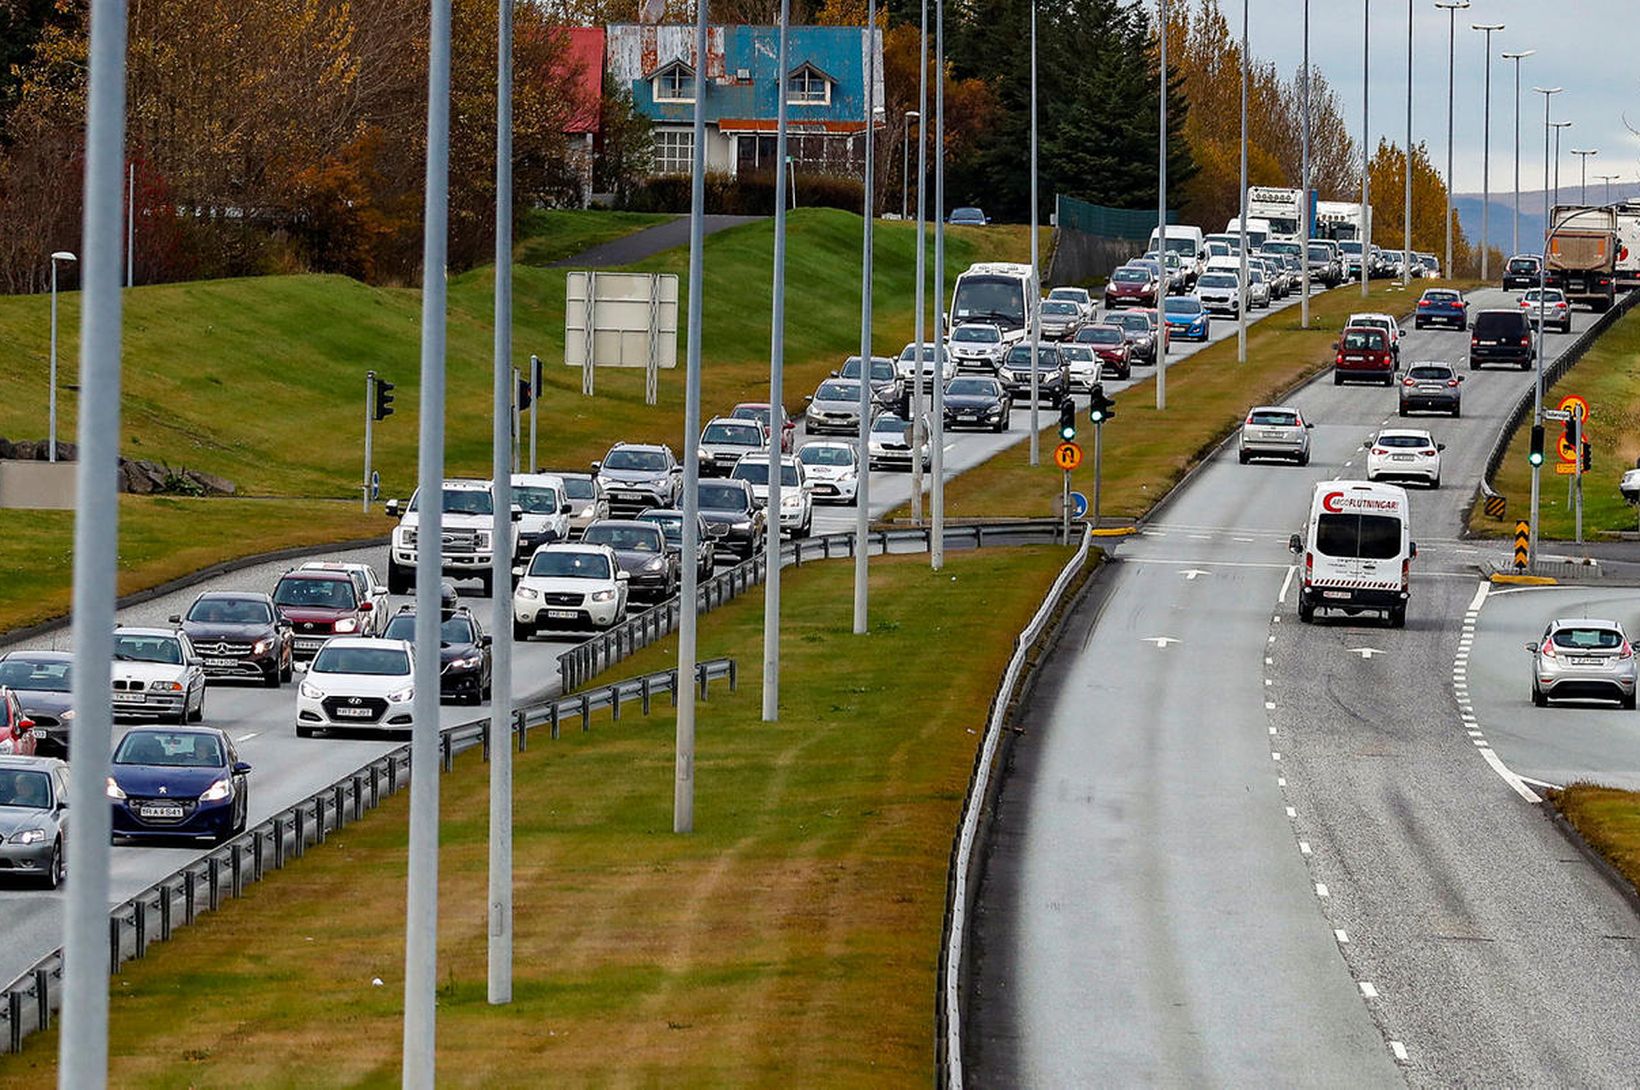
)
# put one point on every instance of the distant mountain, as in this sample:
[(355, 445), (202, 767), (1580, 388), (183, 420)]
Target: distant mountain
[(1501, 233)]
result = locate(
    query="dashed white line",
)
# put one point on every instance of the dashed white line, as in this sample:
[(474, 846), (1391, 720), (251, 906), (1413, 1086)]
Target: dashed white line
[(1291, 812), (1303, 847), (1321, 890), (1341, 935), (1368, 991), (247, 737), (1399, 1050), (1274, 756)]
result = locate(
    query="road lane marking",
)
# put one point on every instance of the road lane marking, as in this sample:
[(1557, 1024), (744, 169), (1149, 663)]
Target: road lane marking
[(1542, 783), (1269, 705), (1274, 756), (1161, 642), (1286, 583), (1321, 890), (247, 737), (1341, 935), (1292, 813), (1192, 574), (1303, 847), (1400, 1050), (1368, 991), (1366, 652)]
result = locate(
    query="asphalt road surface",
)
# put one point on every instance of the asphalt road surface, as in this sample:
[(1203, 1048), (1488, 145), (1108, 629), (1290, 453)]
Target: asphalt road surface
[(1235, 850)]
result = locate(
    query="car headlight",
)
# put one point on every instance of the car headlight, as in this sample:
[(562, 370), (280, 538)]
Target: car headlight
[(603, 595), (262, 646), (29, 836), (66, 716), (743, 524), (311, 691), (407, 537), (482, 539), (347, 624), (217, 791), (655, 564), (471, 662), (112, 789), (167, 686), (402, 695), (528, 593)]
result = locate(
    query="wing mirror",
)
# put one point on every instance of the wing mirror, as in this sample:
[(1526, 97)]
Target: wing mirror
[(25, 725), (392, 509), (1295, 544), (1309, 425), (1440, 446), (240, 768), (1412, 551), (299, 667), (485, 640), (563, 509), (1531, 645), (176, 618), (367, 607), (517, 512), (1335, 346), (621, 577), (597, 466)]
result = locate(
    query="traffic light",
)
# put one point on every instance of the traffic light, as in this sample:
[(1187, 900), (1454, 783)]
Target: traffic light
[(525, 393), (1536, 455), (1067, 420), (1588, 456), (1100, 407), (535, 376), (384, 399)]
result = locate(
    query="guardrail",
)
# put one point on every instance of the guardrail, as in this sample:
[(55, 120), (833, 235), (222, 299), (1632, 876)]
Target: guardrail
[(1553, 372), (202, 884), (963, 882), (591, 657)]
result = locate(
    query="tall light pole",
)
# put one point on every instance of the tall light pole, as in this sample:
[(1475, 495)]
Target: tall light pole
[(777, 365), (905, 164), (1241, 304), (501, 750), (1161, 210), (1548, 94), (1406, 202), (936, 499), (862, 512), (1451, 7), (1486, 151), (1517, 57), (1583, 155), (1036, 282), (922, 263), (1557, 126), (1366, 144), (60, 255), (1608, 179), (1304, 172)]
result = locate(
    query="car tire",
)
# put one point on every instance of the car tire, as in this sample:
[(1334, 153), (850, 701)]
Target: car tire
[(1436, 483), (1418, 324), (1473, 366), (1628, 702), (1338, 379), (1540, 699), (1243, 457), (1398, 617), (1306, 613), (522, 632), (287, 672), (487, 581), (56, 867), (399, 580), (270, 679), (1403, 410), (1457, 411), (1304, 459)]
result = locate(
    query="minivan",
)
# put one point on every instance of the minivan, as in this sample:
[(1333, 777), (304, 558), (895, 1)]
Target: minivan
[(1500, 336), (1357, 551)]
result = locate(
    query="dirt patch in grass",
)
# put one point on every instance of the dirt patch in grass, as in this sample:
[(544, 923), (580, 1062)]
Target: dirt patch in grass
[(791, 940)]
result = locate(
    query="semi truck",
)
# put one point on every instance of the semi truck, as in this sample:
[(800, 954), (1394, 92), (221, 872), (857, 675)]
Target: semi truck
[(1580, 255), (1628, 245)]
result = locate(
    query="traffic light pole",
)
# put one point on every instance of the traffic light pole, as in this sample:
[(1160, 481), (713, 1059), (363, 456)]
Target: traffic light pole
[(1098, 436), (1065, 506), (1577, 472), (369, 420), (535, 397), (514, 417)]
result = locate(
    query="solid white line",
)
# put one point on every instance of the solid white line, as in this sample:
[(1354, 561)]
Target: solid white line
[(1286, 583), (1509, 777), (1541, 783), (1192, 563)]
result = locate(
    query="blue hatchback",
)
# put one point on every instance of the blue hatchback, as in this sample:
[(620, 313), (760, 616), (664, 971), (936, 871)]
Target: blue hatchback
[(1444, 306), (1187, 318), (178, 783)]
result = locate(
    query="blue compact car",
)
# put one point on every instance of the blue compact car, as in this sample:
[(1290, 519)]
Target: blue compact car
[(1444, 306), (1187, 318), (178, 783)]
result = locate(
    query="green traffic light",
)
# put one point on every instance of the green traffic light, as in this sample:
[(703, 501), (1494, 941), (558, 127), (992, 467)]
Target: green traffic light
[(1067, 434)]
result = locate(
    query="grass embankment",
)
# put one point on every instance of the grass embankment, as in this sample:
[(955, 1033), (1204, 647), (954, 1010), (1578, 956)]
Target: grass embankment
[(1145, 451), (1608, 377), (790, 941), (262, 380), (1609, 819), (548, 235)]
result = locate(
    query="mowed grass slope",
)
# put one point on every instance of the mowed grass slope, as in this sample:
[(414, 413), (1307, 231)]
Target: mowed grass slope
[(1609, 819), (791, 940)]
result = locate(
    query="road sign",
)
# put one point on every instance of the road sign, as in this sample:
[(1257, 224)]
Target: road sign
[(1496, 506), (1575, 405), (375, 485), (1556, 414), (1079, 505), (1067, 456), (1523, 546), (1566, 469)]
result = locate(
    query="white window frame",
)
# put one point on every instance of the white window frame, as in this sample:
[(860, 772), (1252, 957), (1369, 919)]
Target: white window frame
[(810, 75), (668, 85), (674, 151)]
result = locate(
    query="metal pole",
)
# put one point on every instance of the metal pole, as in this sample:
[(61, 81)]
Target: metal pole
[(1241, 304), (131, 226), (51, 423), (1161, 207), (1486, 153), (905, 170), (1036, 275), (922, 262), (1517, 57), (1304, 297), (1098, 465), (1452, 7), (1577, 467), (1583, 158), (1406, 204), (1537, 383), (777, 364), (683, 773), (936, 504), (369, 427), (517, 462), (1065, 506), (1366, 143), (83, 1046), (501, 559), (862, 511), (421, 926), (535, 404), (1558, 125)]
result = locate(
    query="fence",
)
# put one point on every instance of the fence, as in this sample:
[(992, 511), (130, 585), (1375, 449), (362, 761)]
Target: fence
[(202, 884), (1090, 240), (587, 659)]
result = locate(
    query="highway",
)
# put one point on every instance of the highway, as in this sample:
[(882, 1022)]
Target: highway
[(286, 769), (1234, 850)]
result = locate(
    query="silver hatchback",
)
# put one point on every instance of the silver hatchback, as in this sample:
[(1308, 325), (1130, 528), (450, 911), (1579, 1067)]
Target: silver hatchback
[(1275, 431), (1583, 659)]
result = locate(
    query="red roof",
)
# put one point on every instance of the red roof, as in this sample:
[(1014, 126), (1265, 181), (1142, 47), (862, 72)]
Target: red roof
[(584, 74)]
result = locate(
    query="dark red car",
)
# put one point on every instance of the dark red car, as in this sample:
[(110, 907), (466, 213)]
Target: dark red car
[(319, 605), (1110, 345), (16, 728), (1131, 286), (1364, 353)]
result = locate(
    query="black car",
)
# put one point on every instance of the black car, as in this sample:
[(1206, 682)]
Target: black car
[(1053, 379), (463, 651), (1522, 272), (888, 390), (640, 549), (974, 401), (1139, 327), (671, 523), (240, 635), (732, 516), (43, 682), (1500, 336)]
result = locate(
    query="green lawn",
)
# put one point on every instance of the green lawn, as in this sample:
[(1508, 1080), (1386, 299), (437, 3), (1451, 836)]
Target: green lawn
[(1608, 378), (1609, 819), (549, 235), (790, 941)]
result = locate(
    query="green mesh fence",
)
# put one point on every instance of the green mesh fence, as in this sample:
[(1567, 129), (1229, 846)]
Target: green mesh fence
[(1134, 224)]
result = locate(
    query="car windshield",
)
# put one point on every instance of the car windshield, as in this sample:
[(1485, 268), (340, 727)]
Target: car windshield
[(1047, 359), (1553, 295), (643, 461), (230, 611), (838, 391), (1185, 305), (1130, 275), (553, 564), (1403, 442), (834, 456), (452, 630), (733, 435), (1523, 264), (536, 500), (760, 413), (889, 424), (1351, 248), (580, 488), (308, 593), (1430, 372), (976, 334), (990, 298), (1274, 418), (462, 501), (1218, 280), (881, 370), (1129, 320), (170, 749), (1500, 324), (909, 352), (1359, 339), (973, 387), (637, 539), (1055, 306), (1101, 335), (757, 472), (1320, 253), (1588, 639), (1364, 537), (25, 790), (45, 677), (968, 215), (722, 497), (671, 527), (353, 659), (165, 649), (1080, 351)]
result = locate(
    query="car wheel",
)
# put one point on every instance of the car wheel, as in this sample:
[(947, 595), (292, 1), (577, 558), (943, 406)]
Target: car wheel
[(1417, 325), (1304, 459), (1403, 410), (1629, 702), (1539, 697), (1338, 379), (1436, 483), (487, 581), (1457, 411), (1306, 613), (55, 867), (1398, 617), (1473, 366), (244, 815), (270, 678), (1526, 365), (288, 671)]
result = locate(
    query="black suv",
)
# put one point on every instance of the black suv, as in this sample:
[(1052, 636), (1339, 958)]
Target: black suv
[(1052, 379), (1522, 272), (732, 516), (240, 634), (1500, 336)]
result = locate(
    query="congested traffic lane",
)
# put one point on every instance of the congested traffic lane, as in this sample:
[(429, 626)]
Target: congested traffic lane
[(1233, 845)]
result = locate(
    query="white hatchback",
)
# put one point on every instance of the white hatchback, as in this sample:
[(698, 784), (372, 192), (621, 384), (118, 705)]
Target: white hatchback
[(833, 469), (357, 683), (1404, 454)]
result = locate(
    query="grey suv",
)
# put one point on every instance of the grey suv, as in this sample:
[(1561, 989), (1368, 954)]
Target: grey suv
[(638, 476), (1274, 431)]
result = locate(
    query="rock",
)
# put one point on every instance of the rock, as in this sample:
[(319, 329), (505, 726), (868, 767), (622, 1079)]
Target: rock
[(66, 452), (23, 450), (211, 483), (7, 448)]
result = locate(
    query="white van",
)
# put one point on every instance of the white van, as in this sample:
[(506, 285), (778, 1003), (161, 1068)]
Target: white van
[(1357, 551), (1188, 244), (1003, 294), (1258, 231)]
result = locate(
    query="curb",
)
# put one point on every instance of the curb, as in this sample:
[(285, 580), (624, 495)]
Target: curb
[(1523, 580)]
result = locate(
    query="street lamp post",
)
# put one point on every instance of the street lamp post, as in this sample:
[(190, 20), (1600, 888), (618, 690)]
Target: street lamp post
[(1451, 7), (1036, 275), (1486, 150), (1241, 303), (1406, 204), (777, 368), (1366, 144), (60, 255), (936, 461), (1537, 385), (1517, 57), (1608, 179), (922, 263), (1557, 126), (1583, 155), (1304, 171), (905, 164), (1161, 210), (862, 514)]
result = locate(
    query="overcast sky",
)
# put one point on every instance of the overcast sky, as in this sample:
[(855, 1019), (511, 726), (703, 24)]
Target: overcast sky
[(1596, 65)]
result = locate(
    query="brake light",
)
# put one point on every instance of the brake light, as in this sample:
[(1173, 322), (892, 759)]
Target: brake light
[(1380, 451), (1406, 572), (1473, 341), (1340, 358), (1548, 648), (1627, 652), (1408, 382), (1451, 382), (1309, 568), (1249, 420), (1423, 302), (1526, 340)]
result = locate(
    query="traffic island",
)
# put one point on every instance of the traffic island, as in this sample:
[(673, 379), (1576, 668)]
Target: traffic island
[(1607, 822)]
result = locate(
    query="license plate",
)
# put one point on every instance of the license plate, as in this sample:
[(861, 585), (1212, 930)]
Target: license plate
[(1491, 342), (171, 811), (1401, 457), (1587, 662), (130, 698), (968, 416), (354, 713), (1340, 594), (309, 642), (221, 662), (1271, 434), (562, 614)]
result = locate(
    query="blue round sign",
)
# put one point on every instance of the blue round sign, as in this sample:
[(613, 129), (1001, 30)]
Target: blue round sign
[(1079, 505)]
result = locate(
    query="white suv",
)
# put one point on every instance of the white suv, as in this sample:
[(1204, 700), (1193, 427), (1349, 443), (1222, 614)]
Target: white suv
[(357, 683), (469, 520), (569, 587), (544, 508)]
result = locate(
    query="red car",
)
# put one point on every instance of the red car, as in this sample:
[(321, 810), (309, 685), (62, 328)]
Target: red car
[(1110, 345), (16, 729), (1364, 352), (759, 411), (321, 604), (1131, 286)]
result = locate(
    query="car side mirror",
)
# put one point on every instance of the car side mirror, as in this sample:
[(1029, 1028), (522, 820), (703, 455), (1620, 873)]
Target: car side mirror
[(62, 804), (597, 466), (176, 618), (1412, 551), (1295, 544), (1440, 446), (564, 509), (299, 667), (392, 509), (517, 512), (1531, 645), (24, 725), (240, 768), (486, 640), (367, 607), (677, 471), (621, 577), (1367, 445), (1335, 346), (1309, 425)]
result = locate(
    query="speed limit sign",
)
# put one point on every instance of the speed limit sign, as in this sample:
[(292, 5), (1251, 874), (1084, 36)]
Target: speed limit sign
[(1067, 456)]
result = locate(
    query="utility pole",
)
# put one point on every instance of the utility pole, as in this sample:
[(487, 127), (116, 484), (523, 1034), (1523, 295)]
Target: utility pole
[(1548, 94), (51, 413), (536, 389), (131, 226), (1451, 7), (1161, 209), (1517, 57), (862, 506), (1304, 170), (1557, 126), (777, 366), (917, 434), (1608, 179), (1486, 153)]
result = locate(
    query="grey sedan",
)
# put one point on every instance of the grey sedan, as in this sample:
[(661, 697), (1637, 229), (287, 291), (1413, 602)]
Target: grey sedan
[(834, 408), (1435, 387), (34, 818)]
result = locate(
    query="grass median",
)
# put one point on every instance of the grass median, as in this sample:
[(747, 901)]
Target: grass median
[(1609, 820), (1608, 378), (791, 940), (1146, 452)]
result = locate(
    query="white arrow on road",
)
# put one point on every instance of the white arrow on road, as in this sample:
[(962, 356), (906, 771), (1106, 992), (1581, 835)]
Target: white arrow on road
[(1159, 641), (1191, 573), (1365, 652)]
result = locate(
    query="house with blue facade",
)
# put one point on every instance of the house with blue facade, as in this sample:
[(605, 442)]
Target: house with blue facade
[(824, 85)]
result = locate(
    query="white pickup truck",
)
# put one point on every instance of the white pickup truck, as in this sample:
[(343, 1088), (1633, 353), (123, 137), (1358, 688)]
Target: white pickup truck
[(466, 548)]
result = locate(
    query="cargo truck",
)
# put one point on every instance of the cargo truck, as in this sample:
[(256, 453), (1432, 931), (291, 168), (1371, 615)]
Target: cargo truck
[(1581, 255)]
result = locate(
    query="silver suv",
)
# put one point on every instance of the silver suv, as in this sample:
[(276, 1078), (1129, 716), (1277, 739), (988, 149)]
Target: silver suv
[(638, 476), (1583, 660), (1275, 431)]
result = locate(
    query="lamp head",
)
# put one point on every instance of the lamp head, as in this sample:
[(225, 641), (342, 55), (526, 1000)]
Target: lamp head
[(63, 255)]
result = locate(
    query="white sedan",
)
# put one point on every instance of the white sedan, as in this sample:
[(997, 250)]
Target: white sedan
[(1404, 454), (157, 675), (354, 683), (569, 586), (833, 469)]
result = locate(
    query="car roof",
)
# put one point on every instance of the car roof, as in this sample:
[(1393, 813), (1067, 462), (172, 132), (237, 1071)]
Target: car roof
[(838, 442), (1415, 433), (40, 653), (1274, 409), (1432, 363), (1584, 622), (626, 523), (138, 630), (368, 641), (577, 546), (215, 732), (581, 473), (20, 763), (235, 595), (537, 480), (466, 483), (326, 565), (305, 572), (658, 448), (741, 421), (1370, 316)]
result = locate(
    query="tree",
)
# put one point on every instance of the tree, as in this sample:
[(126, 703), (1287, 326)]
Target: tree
[(626, 144), (1388, 173)]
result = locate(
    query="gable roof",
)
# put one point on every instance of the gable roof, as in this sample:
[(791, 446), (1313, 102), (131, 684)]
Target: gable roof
[(581, 73)]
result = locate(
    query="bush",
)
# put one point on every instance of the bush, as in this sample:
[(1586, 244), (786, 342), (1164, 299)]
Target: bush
[(745, 195)]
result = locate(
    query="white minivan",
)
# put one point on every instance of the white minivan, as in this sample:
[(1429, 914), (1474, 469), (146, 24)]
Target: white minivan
[(1358, 551)]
